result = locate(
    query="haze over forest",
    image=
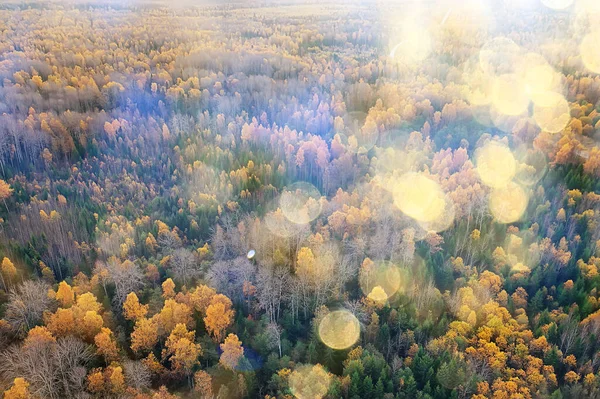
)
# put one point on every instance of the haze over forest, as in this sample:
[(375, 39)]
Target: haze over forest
[(294, 199)]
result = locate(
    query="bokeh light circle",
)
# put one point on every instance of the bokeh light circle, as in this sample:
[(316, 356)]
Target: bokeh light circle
[(379, 281), (508, 204), (499, 56), (509, 96), (419, 197), (309, 382), (339, 329), (532, 165), (496, 164), (444, 220), (589, 51), (553, 113), (301, 203)]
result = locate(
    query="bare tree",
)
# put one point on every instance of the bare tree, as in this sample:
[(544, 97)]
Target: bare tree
[(26, 305), (228, 276), (137, 375), (184, 265), (53, 370), (274, 336), (126, 276)]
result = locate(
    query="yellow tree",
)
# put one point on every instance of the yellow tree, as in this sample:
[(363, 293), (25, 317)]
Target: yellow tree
[(65, 294), (132, 309), (8, 272), (61, 323), (219, 316), (95, 381), (144, 335), (171, 314), (232, 352), (203, 384), (116, 379), (19, 390), (106, 344), (168, 288), (38, 335), (5, 192), (182, 350), (90, 325)]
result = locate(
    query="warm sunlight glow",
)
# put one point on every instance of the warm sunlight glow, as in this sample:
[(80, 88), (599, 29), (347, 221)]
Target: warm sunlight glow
[(419, 197), (300, 203), (552, 113), (589, 51), (508, 204), (309, 382), (509, 96), (557, 4), (496, 164), (339, 329), (380, 280)]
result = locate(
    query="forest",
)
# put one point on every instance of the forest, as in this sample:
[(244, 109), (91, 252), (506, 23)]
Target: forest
[(300, 199)]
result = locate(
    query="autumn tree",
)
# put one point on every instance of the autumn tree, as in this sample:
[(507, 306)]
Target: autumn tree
[(19, 390), (144, 335), (5, 192), (219, 316), (232, 352), (132, 309)]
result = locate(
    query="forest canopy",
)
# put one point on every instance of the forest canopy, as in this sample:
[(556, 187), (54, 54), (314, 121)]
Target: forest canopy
[(356, 199)]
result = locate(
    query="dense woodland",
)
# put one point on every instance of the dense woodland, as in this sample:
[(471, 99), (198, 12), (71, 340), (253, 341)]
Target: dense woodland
[(366, 199)]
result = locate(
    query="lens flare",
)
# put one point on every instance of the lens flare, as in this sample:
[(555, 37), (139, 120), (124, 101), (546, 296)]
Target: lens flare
[(339, 329), (557, 4), (301, 203), (509, 96), (419, 197), (444, 221), (414, 45), (496, 164), (589, 51), (538, 77), (310, 382), (553, 113), (379, 281), (508, 204), (531, 166), (499, 56)]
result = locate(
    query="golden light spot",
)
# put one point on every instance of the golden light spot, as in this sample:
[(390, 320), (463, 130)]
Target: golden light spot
[(557, 4), (309, 382), (301, 203), (419, 197), (280, 226), (413, 44), (589, 51), (339, 329), (379, 281), (478, 83), (444, 221), (509, 96), (508, 204), (496, 164), (531, 166), (504, 122), (538, 77), (499, 56), (553, 113)]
